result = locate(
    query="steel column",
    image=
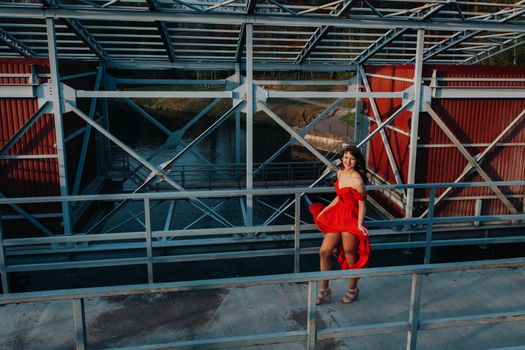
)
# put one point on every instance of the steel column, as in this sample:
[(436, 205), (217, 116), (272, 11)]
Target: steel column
[(297, 233), (357, 116), (59, 127), (250, 106), (3, 262), (237, 122), (413, 318), (149, 246), (414, 124), (428, 247), (87, 135), (378, 121), (311, 321), (80, 324)]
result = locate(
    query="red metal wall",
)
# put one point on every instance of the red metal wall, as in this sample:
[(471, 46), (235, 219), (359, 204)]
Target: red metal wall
[(38, 177), (473, 121)]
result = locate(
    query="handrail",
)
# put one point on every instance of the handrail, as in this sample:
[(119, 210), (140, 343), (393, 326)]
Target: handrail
[(312, 333), (146, 238), (251, 281), (243, 192)]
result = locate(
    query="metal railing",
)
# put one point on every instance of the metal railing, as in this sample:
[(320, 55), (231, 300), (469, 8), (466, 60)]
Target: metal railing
[(312, 333), (233, 174), (148, 239)]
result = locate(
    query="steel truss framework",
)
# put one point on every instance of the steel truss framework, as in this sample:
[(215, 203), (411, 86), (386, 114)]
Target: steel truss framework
[(209, 34), (246, 37)]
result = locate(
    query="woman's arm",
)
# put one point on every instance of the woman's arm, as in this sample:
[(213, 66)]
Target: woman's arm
[(332, 203), (360, 186)]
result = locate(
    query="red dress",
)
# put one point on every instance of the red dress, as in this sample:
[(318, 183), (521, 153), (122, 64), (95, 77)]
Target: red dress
[(342, 217)]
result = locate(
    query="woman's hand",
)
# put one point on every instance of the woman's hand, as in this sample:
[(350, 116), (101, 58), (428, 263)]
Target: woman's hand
[(362, 229)]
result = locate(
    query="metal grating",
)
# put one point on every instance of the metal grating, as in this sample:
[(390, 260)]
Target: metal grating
[(204, 32)]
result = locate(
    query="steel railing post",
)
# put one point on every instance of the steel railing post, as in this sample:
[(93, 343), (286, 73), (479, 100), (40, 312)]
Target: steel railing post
[(3, 263), (413, 318), (149, 246), (311, 325), (428, 245), (80, 324), (297, 233)]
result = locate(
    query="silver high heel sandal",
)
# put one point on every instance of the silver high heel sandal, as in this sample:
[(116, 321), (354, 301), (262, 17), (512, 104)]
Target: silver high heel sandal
[(352, 294), (324, 296)]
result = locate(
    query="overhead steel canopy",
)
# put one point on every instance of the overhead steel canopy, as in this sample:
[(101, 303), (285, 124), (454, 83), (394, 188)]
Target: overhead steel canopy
[(313, 35)]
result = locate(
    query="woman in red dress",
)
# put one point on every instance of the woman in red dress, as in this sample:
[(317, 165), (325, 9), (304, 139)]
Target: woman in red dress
[(342, 223)]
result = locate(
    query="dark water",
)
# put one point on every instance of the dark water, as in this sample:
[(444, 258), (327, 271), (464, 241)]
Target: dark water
[(218, 147)]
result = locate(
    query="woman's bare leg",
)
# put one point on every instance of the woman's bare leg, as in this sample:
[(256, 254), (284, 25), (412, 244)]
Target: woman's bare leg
[(330, 241), (350, 245)]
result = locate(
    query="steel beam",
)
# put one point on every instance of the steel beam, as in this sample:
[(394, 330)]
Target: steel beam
[(163, 31), (250, 110), (15, 44), (414, 123), (80, 31), (392, 35), (478, 92), (153, 94), (29, 217), (46, 108), (320, 32), (480, 157), (385, 123), (237, 124), (384, 137), (459, 37), (301, 133), (295, 135), (179, 134), (87, 135), (59, 126), (205, 133), (79, 316), (241, 41), (228, 66), (3, 262), (469, 158), (413, 318), (264, 20), (154, 170), (507, 45), (173, 137)]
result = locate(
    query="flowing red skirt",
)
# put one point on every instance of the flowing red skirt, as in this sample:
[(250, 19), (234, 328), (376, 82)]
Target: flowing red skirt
[(327, 225)]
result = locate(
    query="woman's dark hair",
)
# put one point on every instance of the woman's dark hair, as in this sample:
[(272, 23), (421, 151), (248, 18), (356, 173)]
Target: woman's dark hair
[(360, 165)]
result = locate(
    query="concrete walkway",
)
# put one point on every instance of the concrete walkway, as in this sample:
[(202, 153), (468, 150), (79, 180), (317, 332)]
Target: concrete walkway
[(162, 318)]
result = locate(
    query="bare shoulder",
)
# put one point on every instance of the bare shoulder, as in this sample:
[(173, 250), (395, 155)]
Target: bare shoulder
[(357, 182)]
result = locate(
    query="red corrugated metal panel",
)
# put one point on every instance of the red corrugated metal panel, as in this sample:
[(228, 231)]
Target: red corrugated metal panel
[(37, 177), (378, 160), (473, 121)]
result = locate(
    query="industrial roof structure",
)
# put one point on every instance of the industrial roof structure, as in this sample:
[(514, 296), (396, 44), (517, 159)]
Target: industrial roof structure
[(316, 35)]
